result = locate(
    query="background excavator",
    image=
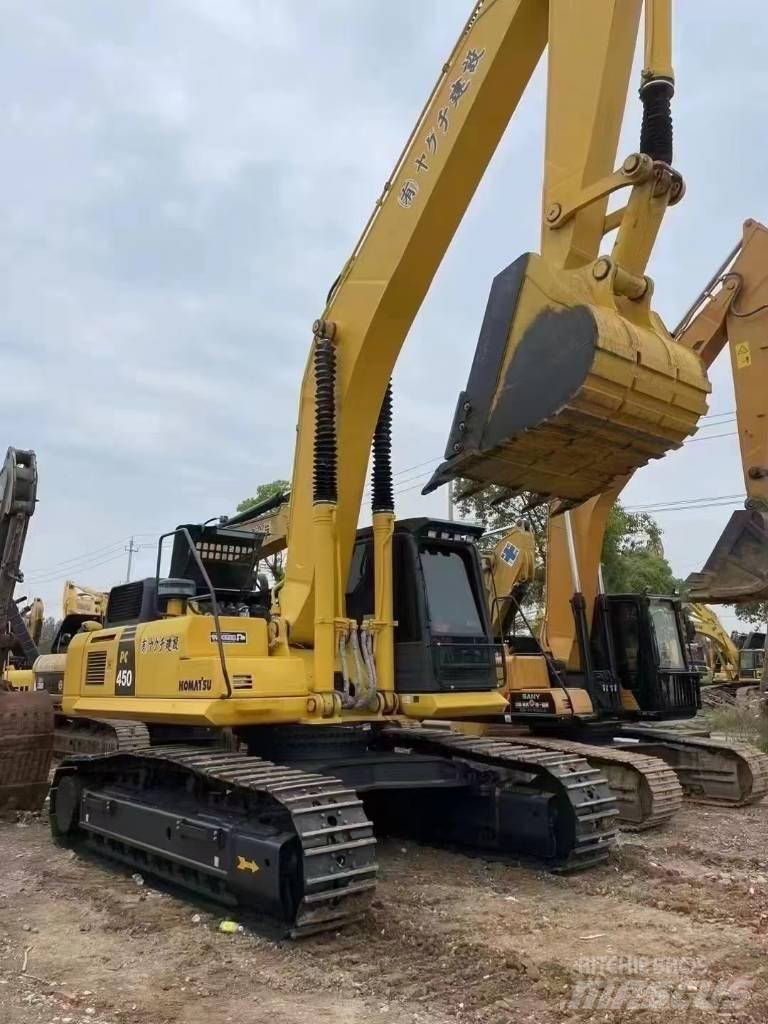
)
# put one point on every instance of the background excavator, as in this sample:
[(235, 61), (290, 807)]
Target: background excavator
[(607, 660), (82, 608), (733, 662), (330, 679), (26, 718), (720, 655)]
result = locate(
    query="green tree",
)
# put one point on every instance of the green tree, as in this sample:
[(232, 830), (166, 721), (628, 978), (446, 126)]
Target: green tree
[(275, 563), (633, 554), (264, 491), (754, 613), (493, 509)]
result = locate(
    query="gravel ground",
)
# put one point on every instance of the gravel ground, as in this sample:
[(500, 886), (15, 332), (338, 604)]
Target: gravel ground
[(673, 928)]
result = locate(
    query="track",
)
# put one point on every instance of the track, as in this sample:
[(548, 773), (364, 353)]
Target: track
[(646, 789), (585, 809), (298, 846), (295, 846), (97, 736), (712, 771)]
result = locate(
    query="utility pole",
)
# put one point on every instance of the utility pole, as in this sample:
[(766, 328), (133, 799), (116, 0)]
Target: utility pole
[(450, 501), (131, 549)]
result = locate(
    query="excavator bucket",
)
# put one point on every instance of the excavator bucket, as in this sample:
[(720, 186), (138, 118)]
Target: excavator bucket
[(737, 569), (566, 396), (26, 749)]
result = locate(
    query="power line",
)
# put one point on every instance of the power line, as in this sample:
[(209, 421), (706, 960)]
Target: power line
[(87, 555), (711, 437), (702, 499), (41, 581)]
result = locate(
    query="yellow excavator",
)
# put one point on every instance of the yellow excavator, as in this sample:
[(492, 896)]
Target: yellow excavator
[(82, 608), (721, 654), (26, 718), (606, 664), (734, 666), (329, 691), (79, 605)]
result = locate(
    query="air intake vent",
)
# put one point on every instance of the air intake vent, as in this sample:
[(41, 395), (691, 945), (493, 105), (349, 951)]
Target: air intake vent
[(125, 603), (96, 668), (242, 682)]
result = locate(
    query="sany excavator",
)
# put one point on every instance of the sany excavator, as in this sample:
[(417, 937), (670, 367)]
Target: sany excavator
[(329, 681), (646, 788), (608, 663), (26, 719)]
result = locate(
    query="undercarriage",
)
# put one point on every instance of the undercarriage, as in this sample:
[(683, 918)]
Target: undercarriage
[(651, 769), (293, 838)]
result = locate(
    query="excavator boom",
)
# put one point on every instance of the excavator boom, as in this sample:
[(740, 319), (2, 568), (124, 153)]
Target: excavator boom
[(706, 623), (603, 388), (18, 487)]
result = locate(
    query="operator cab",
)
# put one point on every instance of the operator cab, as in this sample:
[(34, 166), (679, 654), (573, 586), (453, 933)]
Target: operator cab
[(635, 663), (641, 640), (443, 639), (752, 656)]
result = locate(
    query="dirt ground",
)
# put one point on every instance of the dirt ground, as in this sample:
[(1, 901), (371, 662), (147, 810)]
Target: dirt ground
[(680, 914)]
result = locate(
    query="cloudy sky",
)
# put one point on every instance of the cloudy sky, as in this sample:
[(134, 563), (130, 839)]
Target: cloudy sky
[(181, 182)]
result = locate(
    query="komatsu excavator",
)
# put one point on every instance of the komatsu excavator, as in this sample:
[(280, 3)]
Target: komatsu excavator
[(721, 654), (603, 661), (329, 690), (26, 719)]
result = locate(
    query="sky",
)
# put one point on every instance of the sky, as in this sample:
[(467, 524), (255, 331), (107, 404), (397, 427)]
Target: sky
[(182, 181)]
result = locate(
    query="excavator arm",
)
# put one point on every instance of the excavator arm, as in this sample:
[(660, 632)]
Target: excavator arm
[(706, 622), (603, 388), (508, 570), (79, 600), (732, 312), (18, 489)]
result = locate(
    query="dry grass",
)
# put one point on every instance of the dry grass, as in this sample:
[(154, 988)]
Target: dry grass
[(747, 721)]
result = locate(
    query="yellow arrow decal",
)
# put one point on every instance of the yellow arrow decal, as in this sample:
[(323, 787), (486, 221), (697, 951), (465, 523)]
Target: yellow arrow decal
[(246, 865)]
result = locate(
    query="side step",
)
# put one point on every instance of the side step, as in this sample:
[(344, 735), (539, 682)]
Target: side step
[(645, 788), (295, 846), (585, 812), (712, 771)]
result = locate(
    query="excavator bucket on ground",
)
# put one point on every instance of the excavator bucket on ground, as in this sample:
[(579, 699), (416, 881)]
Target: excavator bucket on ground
[(26, 749), (737, 569), (567, 395)]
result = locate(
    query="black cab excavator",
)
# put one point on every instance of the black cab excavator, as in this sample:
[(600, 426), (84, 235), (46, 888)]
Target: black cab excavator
[(328, 692)]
